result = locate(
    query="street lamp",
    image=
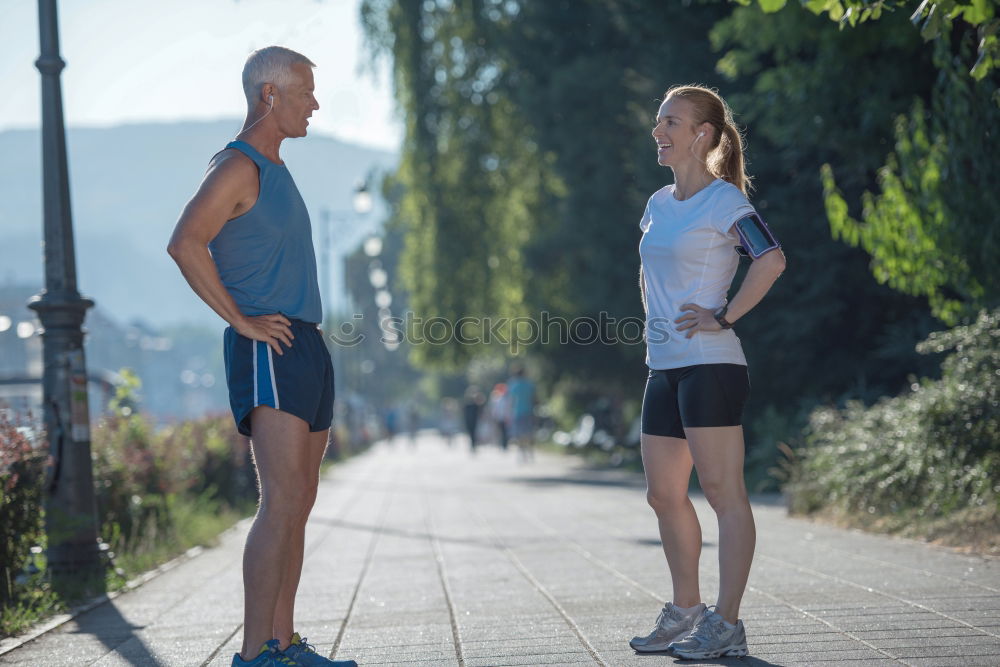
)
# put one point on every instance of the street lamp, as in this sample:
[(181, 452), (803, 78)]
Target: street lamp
[(362, 204), (70, 509), (362, 198), (373, 246)]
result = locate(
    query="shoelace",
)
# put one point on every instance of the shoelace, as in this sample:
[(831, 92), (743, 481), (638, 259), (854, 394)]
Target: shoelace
[(306, 646), (669, 613), (707, 627), (278, 656)]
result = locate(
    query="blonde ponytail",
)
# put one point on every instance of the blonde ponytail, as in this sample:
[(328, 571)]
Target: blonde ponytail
[(725, 157)]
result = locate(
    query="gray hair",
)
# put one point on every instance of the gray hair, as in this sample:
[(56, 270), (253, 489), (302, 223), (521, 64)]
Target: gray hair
[(272, 64)]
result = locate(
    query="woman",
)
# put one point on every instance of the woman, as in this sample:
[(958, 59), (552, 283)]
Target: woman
[(693, 233)]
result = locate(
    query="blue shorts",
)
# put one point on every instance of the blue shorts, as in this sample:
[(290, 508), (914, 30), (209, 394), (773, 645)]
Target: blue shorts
[(299, 382)]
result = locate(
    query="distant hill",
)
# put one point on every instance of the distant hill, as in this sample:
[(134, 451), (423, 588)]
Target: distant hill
[(129, 183)]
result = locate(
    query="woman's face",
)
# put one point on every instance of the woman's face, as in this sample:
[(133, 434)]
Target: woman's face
[(675, 133)]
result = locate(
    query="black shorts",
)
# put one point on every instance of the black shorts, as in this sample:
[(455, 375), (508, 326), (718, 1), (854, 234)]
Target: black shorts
[(299, 382), (694, 396)]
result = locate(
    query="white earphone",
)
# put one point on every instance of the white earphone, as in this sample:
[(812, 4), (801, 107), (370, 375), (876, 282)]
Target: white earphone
[(270, 107)]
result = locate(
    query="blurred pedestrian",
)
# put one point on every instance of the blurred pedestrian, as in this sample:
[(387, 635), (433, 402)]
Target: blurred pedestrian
[(693, 232), (413, 423), (448, 420), (391, 424), (497, 410), (521, 410), (281, 393), (471, 410)]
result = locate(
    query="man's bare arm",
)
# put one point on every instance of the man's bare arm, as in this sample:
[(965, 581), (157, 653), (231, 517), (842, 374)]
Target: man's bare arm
[(228, 189)]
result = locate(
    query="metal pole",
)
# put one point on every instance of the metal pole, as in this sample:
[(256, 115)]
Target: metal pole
[(71, 509)]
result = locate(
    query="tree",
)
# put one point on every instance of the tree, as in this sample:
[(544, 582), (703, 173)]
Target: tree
[(812, 95), (527, 162), (937, 20), (931, 229), (519, 162)]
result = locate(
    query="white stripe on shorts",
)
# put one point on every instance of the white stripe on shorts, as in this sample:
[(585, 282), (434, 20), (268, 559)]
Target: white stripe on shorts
[(253, 353), (274, 384)]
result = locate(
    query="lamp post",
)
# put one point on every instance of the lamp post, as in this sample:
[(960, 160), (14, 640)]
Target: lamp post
[(361, 203), (70, 510)]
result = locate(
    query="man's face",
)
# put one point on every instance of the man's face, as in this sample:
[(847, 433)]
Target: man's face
[(295, 101)]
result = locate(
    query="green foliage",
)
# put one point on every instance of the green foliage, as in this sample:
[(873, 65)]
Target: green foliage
[(471, 184), (809, 94), (159, 492), (519, 172), (126, 397), (527, 162), (929, 453), (141, 475), (931, 229), (22, 481), (935, 19)]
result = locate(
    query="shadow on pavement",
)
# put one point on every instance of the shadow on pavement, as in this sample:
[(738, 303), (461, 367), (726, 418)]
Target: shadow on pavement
[(748, 661), (586, 477), (655, 542), (484, 542), (108, 626)]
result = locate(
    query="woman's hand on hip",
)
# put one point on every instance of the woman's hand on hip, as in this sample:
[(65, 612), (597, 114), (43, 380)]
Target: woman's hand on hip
[(696, 319)]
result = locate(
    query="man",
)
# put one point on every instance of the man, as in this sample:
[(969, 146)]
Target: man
[(244, 244)]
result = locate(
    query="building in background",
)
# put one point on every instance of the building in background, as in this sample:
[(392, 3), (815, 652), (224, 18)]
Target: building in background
[(181, 369)]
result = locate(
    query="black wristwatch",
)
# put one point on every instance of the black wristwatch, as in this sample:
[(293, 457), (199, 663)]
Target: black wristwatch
[(720, 317)]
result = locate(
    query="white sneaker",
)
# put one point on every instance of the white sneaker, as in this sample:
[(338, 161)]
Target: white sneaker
[(711, 638), (671, 625)]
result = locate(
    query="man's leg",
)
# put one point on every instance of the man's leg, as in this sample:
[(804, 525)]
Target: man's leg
[(284, 612), (281, 452)]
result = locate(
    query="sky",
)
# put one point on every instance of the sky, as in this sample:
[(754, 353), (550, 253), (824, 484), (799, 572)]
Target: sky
[(173, 60)]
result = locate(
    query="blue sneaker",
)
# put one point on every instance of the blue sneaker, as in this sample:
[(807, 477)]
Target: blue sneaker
[(304, 653), (269, 656)]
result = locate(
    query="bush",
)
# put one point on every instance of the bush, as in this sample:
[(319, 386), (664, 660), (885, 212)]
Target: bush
[(159, 492), (22, 479), (925, 455), (146, 480)]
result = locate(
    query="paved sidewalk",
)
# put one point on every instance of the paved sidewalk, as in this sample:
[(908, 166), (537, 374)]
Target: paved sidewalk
[(427, 555)]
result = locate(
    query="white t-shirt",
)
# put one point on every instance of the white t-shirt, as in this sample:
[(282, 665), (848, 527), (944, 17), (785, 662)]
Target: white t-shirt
[(688, 256)]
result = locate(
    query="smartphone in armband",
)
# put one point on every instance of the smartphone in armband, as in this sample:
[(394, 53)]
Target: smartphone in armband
[(755, 236)]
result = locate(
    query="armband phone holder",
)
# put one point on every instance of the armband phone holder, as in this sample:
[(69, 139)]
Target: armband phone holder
[(755, 236)]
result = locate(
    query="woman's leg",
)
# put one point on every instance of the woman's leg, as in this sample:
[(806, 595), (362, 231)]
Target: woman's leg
[(718, 457), (667, 462)]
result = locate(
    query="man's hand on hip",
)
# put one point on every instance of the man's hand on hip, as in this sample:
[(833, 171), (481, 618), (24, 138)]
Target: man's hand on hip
[(268, 329)]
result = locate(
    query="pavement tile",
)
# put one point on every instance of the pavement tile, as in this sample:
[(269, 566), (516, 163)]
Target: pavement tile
[(954, 661), (412, 549)]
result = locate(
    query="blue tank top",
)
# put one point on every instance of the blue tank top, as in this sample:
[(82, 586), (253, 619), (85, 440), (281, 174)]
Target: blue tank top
[(265, 257)]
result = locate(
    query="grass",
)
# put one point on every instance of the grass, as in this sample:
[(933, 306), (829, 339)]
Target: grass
[(197, 522)]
